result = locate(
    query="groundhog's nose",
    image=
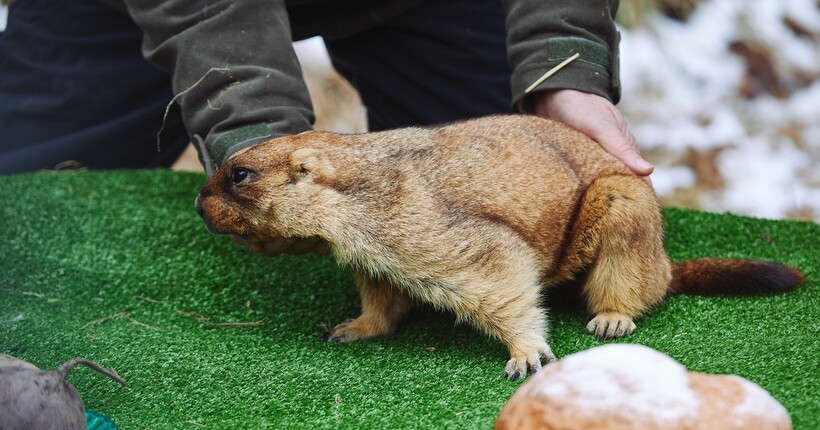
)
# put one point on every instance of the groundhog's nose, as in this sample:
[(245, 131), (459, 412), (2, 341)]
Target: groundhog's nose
[(198, 204), (206, 210), (203, 194)]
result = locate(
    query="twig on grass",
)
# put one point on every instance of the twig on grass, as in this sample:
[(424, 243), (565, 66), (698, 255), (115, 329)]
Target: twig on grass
[(239, 324), (106, 319), (25, 293), (32, 294), (143, 325), (199, 317), (14, 319), (207, 320), (150, 300), (121, 315)]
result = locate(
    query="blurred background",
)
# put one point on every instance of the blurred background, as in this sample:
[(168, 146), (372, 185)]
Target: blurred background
[(723, 97)]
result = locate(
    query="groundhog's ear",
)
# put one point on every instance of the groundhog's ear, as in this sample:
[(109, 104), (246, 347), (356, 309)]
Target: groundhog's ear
[(306, 161)]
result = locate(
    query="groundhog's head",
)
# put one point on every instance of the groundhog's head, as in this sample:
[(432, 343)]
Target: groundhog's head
[(268, 191)]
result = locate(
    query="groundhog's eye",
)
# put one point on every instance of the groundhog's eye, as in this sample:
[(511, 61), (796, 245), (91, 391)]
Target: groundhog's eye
[(239, 175)]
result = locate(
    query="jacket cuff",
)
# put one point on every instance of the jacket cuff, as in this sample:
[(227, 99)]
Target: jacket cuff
[(216, 149), (594, 71)]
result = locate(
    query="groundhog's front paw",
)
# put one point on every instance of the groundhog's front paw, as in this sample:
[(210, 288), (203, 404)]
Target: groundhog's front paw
[(610, 325), (530, 362), (351, 330), (341, 333)]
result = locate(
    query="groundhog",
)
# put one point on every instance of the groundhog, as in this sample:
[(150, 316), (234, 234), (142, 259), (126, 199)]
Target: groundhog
[(477, 218)]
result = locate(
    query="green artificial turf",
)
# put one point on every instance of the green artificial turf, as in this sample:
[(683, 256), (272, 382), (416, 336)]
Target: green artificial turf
[(118, 268)]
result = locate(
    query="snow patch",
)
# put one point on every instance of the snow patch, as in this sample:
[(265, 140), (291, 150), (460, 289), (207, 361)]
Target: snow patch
[(760, 169), (667, 179), (4, 16), (683, 89)]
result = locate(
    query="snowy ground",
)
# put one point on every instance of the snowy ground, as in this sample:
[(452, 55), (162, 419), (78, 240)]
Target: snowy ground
[(726, 104)]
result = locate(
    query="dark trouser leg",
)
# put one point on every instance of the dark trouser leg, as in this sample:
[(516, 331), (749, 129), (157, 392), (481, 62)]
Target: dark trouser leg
[(440, 62), (74, 86)]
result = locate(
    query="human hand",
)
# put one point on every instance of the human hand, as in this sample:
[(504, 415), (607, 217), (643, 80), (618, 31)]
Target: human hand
[(599, 119)]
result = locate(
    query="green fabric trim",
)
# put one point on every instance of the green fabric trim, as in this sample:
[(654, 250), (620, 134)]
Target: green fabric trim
[(237, 136), (561, 48)]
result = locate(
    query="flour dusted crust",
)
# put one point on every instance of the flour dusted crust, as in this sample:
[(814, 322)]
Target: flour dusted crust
[(625, 386)]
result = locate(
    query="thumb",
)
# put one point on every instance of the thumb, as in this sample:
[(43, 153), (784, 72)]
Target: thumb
[(621, 143)]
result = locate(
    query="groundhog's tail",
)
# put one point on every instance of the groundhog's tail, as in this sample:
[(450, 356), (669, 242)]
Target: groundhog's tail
[(736, 277)]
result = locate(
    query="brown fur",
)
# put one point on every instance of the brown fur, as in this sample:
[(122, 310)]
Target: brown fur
[(474, 217)]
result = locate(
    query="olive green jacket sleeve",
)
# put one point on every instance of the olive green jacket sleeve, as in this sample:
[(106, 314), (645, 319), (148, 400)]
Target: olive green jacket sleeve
[(238, 81), (543, 33), (234, 71)]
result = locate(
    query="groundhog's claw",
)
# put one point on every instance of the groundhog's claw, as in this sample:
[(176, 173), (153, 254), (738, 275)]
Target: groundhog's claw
[(363, 327), (610, 325), (523, 365)]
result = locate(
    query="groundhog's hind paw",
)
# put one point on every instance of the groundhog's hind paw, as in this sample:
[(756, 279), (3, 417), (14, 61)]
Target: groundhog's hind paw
[(528, 364), (610, 325)]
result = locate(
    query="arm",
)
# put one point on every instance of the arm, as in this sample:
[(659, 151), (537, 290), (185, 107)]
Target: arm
[(234, 72), (542, 34), (235, 76)]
